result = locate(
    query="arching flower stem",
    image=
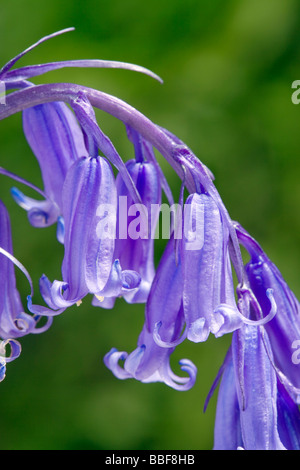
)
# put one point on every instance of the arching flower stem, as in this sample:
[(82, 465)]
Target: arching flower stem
[(177, 155)]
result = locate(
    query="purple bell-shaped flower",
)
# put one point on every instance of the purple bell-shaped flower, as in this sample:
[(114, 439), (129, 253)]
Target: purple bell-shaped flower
[(208, 289), (136, 223), (150, 361)]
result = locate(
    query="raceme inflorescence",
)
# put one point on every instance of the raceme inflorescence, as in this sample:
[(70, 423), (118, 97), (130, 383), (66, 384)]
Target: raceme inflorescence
[(106, 211)]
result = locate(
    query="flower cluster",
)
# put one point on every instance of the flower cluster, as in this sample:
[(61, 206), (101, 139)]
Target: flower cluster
[(100, 205)]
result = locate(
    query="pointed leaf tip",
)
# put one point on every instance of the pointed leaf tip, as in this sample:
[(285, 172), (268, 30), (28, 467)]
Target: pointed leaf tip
[(12, 62)]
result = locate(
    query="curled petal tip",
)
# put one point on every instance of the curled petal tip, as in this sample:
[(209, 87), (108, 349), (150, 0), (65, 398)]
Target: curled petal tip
[(166, 344), (15, 350), (182, 383), (111, 360), (225, 319), (187, 366), (2, 370), (198, 331), (39, 213), (260, 321)]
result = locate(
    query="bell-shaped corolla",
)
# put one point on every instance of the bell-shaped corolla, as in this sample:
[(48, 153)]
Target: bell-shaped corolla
[(89, 201), (14, 321), (162, 331), (136, 225), (208, 289)]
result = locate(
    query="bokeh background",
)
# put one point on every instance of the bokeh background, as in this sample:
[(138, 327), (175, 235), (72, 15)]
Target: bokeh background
[(228, 67)]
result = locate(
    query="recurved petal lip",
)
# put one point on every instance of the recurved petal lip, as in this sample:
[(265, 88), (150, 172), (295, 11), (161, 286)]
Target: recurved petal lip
[(40, 213), (56, 295), (160, 370), (111, 360), (120, 281), (15, 350)]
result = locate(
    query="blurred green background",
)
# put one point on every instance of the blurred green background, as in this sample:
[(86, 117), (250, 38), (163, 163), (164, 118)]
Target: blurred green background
[(227, 68)]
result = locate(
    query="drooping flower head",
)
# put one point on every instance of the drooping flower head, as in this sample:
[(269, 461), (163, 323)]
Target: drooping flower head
[(259, 383), (200, 286), (88, 198), (14, 321), (136, 223)]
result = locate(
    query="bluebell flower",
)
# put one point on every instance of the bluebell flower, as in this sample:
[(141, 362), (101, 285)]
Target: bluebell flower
[(134, 243), (89, 202), (258, 389), (254, 410), (284, 329), (14, 321), (208, 290), (88, 255), (135, 224), (164, 321), (136, 221), (227, 431), (121, 282)]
